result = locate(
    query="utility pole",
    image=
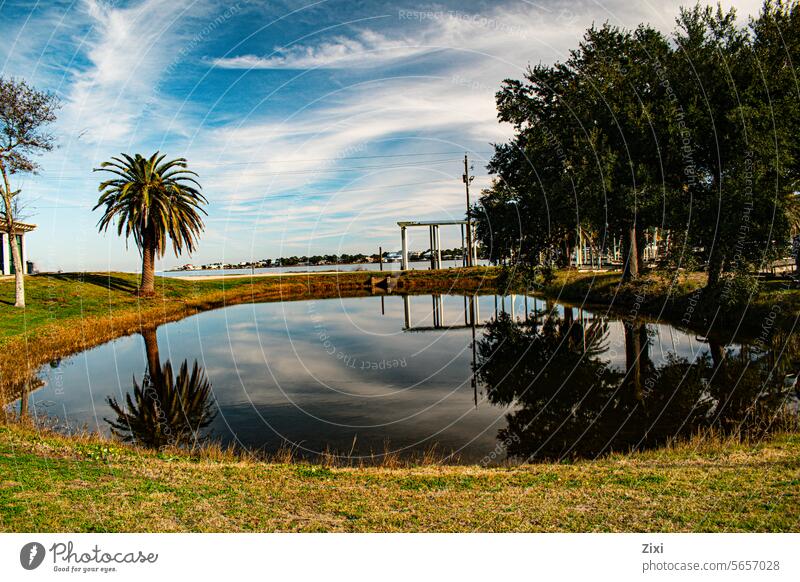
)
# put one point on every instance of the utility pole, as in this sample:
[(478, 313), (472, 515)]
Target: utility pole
[(380, 256), (467, 180)]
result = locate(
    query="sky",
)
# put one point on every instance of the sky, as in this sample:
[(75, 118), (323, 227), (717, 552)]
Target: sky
[(314, 126)]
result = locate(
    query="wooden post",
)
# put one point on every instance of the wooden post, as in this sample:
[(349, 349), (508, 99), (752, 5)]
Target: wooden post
[(437, 241), (432, 244), (407, 311), (404, 242)]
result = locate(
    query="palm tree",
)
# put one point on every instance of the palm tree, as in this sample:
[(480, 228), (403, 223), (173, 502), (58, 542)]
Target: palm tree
[(165, 410), (151, 200)]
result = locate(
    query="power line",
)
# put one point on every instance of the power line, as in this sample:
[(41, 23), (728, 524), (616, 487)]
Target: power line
[(267, 197), (290, 172), (349, 158)]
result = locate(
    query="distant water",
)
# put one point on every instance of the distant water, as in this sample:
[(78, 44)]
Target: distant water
[(416, 265)]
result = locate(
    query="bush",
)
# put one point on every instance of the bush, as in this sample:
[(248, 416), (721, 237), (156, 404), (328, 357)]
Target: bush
[(734, 291), (524, 278)]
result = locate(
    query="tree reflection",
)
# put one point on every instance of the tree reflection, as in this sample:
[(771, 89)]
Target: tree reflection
[(165, 410), (567, 399)]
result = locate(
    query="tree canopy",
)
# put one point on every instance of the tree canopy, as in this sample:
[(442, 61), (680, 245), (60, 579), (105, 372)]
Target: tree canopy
[(691, 133)]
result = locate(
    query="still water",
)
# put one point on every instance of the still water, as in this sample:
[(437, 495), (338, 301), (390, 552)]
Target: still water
[(394, 266), (485, 378)]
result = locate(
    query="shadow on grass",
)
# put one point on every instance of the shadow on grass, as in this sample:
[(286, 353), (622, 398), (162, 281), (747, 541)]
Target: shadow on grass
[(110, 282)]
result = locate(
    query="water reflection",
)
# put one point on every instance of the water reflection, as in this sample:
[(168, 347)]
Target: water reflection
[(569, 400), (165, 410)]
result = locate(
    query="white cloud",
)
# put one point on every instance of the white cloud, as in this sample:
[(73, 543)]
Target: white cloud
[(365, 49), (450, 107), (128, 49)]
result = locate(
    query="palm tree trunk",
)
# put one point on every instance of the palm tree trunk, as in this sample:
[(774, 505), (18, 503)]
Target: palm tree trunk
[(151, 350), (148, 286)]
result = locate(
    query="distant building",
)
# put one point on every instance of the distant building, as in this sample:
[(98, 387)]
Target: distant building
[(20, 230)]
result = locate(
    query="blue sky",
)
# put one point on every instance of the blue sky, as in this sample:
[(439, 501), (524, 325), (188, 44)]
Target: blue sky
[(314, 126)]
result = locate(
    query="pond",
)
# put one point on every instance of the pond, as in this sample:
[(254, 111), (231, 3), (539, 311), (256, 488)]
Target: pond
[(482, 379)]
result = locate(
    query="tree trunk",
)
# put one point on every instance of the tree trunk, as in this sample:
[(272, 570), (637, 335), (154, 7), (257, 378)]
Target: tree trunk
[(717, 354), (23, 401), (151, 350), (641, 242), (637, 356), (148, 286), (569, 317), (796, 244), (716, 264), (565, 258), (631, 254), (19, 275)]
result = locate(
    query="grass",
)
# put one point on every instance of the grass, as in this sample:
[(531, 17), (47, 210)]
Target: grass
[(70, 312), (679, 299), (55, 483)]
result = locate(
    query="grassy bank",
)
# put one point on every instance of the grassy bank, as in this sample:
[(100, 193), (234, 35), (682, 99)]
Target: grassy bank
[(71, 312), (53, 483), (678, 299)]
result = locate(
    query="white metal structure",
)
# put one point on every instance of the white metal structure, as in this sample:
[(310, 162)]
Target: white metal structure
[(436, 242)]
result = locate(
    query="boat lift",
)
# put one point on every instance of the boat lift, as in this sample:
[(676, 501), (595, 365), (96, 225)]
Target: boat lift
[(436, 243)]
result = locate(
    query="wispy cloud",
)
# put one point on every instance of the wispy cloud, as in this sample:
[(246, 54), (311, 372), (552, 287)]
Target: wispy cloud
[(127, 51), (366, 48)]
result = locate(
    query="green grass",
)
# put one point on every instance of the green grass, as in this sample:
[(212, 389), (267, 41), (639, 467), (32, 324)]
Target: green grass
[(54, 483), (678, 299)]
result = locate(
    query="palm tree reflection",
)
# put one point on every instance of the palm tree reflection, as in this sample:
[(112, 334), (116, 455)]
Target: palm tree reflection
[(568, 400), (165, 410)]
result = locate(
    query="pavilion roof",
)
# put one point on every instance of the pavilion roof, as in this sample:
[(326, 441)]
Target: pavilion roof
[(18, 226)]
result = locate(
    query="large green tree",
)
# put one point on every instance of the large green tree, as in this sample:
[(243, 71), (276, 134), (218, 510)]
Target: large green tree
[(621, 100), (737, 151), (587, 150), (531, 212), (695, 133), (152, 200)]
